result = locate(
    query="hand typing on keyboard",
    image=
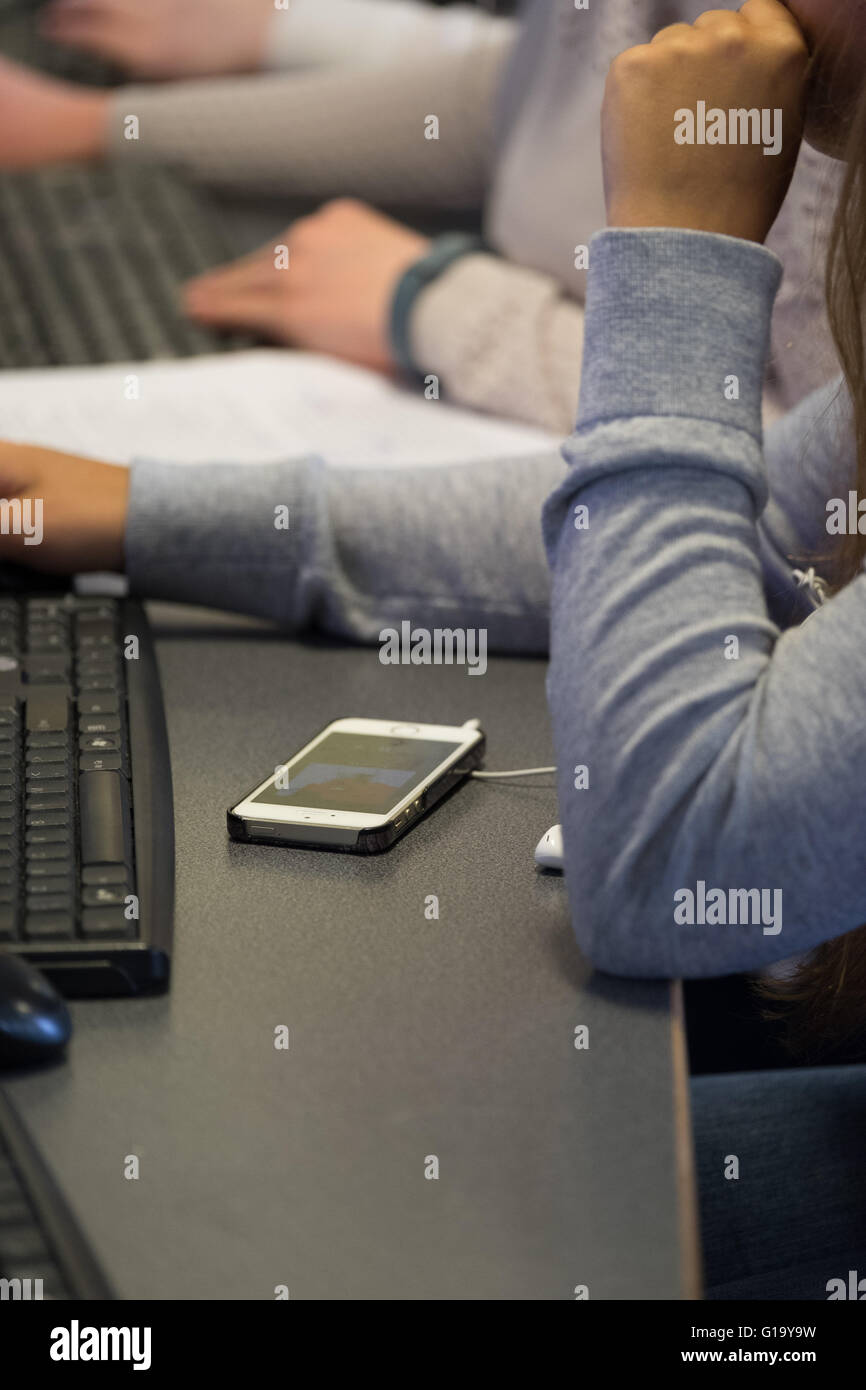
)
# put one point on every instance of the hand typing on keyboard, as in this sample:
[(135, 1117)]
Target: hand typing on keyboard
[(345, 262), (165, 38), (84, 506)]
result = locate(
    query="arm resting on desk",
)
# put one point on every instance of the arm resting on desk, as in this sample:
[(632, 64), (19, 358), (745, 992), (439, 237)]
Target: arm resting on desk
[(366, 548), (329, 132)]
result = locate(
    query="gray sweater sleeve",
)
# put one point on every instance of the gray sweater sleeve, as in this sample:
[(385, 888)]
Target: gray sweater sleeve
[(324, 33), (347, 131), (723, 752), (365, 548), (502, 338)]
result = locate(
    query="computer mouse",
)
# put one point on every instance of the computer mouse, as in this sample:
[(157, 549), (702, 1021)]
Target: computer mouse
[(34, 1019), (548, 851)]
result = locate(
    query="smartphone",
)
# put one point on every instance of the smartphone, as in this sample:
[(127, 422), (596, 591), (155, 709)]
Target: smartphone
[(358, 785)]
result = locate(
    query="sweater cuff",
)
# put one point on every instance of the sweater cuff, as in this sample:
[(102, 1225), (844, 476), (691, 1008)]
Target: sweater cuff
[(243, 538), (677, 324)]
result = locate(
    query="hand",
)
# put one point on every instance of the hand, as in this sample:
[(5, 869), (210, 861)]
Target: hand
[(84, 505), (335, 296), (165, 38), (755, 58), (43, 119)]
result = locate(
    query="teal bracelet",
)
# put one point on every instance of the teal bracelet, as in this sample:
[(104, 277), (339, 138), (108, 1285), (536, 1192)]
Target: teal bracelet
[(444, 251)]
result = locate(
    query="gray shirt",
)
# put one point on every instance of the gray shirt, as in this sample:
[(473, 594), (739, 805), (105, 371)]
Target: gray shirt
[(724, 735)]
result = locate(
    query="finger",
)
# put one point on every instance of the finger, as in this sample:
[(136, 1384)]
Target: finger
[(771, 13), (255, 311), (716, 19), (215, 291), (105, 35), (248, 270), (670, 31)]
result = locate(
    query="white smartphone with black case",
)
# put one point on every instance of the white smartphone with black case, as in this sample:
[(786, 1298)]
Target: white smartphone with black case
[(358, 785)]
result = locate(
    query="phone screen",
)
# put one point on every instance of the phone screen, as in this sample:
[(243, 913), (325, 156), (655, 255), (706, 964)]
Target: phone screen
[(370, 773)]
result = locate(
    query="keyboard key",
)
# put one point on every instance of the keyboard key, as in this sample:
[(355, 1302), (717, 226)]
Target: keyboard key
[(36, 802), (105, 820), (47, 902), (8, 930), (99, 743), (49, 868), (47, 609), (99, 723), (92, 628), (49, 926), (47, 708), (39, 757), (106, 923), (37, 819), (98, 704), (96, 874), (48, 835), (101, 685), (99, 762), (48, 740), (39, 886), (48, 668), (90, 606), (40, 779), (107, 896)]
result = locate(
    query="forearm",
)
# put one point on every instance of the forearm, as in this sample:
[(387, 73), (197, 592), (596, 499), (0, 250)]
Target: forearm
[(502, 339), (720, 750), (323, 33), (361, 551), (357, 132)]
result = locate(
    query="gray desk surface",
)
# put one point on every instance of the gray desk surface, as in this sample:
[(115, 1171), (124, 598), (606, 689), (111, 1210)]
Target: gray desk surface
[(409, 1037)]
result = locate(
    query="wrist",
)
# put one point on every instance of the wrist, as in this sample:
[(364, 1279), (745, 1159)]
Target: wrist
[(438, 257), (82, 130), (111, 511), (710, 215)]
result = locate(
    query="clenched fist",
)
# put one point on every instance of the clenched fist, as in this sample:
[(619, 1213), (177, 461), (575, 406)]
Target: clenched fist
[(754, 60)]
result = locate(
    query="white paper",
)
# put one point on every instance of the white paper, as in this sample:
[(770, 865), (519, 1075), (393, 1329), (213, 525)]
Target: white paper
[(248, 407)]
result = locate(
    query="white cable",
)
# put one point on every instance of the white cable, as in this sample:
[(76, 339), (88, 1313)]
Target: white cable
[(518, 772)]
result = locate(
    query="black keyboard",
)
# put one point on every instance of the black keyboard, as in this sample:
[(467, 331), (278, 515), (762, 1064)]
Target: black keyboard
[(92, 259), (86, 812), (43, 1254)]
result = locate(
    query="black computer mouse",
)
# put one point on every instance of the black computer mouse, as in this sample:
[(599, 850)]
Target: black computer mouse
[(34, 1020)]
